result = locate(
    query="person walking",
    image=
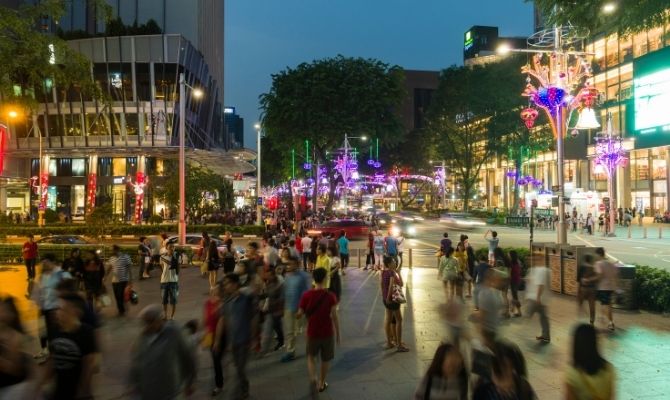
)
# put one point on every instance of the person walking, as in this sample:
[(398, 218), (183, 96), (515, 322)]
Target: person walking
[(169, 281), (29, 254), (490, 306), (492, 243), (335, 285), (52, 276), (230, 257), (161, 366), (446, 378), (272, 308), (390, 281), (400, 240), (461, 255), (323, 261), (586, 291), (211, 315), (478, 277), (391, 246), (445, 243), (448, 273), (306, 250), (144, 256), (379, 248), (589, 376), (607, 283), (296, 283), (370, 256), (119, 267), (323, 329), (92, 276), (343, 244), (503, 266), (537, 298), (507, 377), (515, 282), (238, 317), (213, 261)]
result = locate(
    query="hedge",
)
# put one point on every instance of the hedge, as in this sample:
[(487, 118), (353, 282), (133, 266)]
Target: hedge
[(122, 229), (11, 253)]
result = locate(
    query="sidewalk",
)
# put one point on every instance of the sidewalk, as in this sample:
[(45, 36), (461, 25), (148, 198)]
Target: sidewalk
[(639, 349)]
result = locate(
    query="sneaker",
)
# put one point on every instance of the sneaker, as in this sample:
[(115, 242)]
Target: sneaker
[(288, 357), (610, 326)]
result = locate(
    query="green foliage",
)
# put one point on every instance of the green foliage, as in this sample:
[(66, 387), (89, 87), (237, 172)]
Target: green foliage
[(155, 219), (464, 117), (50, 216), (630, 16), (652, 288), (126, 229), (226, 195), (99, 220), (323, 100), (199, 181)]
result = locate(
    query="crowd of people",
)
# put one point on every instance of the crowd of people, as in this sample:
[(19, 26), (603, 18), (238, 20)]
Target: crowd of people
[(272, 290)]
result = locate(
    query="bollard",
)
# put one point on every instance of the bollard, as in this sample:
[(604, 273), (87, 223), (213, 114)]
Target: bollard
[(660, 232), (410, 258), (628, 231), (644, 232), (359, 258)]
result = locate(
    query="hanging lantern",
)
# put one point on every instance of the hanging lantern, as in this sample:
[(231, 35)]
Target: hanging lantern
[(587, 119), (529, 115), (378, 164), (371, 162), (549, 98), (307, 166)]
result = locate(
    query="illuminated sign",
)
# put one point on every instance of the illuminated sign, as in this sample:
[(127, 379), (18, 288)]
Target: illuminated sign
[(229, 110), (468, 40), (652, 96), (115, 80)]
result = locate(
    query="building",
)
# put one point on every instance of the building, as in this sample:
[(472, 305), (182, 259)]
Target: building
[(419, 86), (481, 42), (89, 151), (234, 125)]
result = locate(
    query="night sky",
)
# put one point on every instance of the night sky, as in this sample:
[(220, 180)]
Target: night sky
[(265, 36)]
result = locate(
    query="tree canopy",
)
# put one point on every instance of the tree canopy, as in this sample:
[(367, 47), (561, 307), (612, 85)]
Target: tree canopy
[(629, 16), (199, 182), (322, 100), (465, 117)]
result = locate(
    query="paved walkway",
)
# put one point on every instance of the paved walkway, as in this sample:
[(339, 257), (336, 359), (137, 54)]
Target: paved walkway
[(640, 348)]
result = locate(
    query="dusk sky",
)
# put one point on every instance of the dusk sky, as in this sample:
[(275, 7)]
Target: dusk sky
[(265, 36)]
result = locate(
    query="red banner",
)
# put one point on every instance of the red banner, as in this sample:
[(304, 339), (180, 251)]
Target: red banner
[(138, 188), (91, 188), (4, 137)]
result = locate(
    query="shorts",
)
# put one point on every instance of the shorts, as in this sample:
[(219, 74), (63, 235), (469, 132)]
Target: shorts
[(344, 258), (604, 296), (156, 258), (212, 266), (392, 305), (323, 346), (170, 292)]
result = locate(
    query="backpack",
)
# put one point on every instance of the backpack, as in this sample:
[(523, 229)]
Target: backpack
[(173, 262)]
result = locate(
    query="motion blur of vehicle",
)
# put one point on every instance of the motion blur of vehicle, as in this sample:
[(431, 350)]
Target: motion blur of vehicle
[(384, 220), (354, 228), (461, 221), (404, 227), (64, 239)]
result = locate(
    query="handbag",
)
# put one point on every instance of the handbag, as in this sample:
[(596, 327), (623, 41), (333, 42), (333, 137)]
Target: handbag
[(397, 296)]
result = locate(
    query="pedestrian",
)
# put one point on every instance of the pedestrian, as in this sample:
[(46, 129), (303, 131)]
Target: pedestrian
[(272, 308), (507, 378), (400, 239), (335, 284), (237, 320), (74, 263), (313, 250), (586, 281), (295, 253), (230, 257), (606, 284), (211, 315), (590, 376), (446, 378), (169, 281), (29, 254), (478, 276), (17, 373), (490, 306), (161, 366), (323, 261), (52, 275), (343, 244), (492, 243), (72, 349), (296, 283), (515, 282), (379, 248), (119, 267), (213, 261), (93, 276), (503, 266), (323, 329), (306, 250), (448, 273), (391, 281), (445, 243), (144, 257), (461, 255), (537, 298)]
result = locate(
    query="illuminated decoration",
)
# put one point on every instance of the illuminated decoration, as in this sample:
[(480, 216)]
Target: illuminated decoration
[(529, 115), (44, 190), (306, 166), (92, 184), (652, 95), (587, 119), (371, 162), (4, 136), (139, 185), (35, 184), (511, 174), (529, 180), (378, 164), (549, 98)]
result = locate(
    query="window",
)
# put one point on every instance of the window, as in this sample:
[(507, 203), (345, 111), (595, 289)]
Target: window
[(599, 50), (655, 39), (131, 166), (640, 44), (53, 167), (78, 167), (64, 167), (119, 167), (104, 166), (612, 50), (626, 49)]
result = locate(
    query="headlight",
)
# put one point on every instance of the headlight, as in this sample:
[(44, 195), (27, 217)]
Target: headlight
[(418, 218), (411, 230), (382, 221), (395, 231), (393, 221)]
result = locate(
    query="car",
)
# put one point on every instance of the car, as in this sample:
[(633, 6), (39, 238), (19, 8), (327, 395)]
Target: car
[(193, 241), (461, 221), (64, 239), (384, 219), (354, 228), (407, 228)]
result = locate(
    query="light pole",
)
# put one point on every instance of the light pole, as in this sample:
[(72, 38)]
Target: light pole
[(345, 165), (259, 207), (196, 93), (443, 182), (558, 91)]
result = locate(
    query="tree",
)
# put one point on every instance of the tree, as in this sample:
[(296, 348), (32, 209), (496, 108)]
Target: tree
[(629, 16), (226, 195), (100, 219), (462, 121), (323, 100), (199, 182), (31, 58)]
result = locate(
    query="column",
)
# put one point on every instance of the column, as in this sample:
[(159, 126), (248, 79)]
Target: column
[(3, 200)]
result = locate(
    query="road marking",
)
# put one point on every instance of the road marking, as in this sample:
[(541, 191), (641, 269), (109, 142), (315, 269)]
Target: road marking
[(592, 245), (351, 298), (372, 310), (638, 247)]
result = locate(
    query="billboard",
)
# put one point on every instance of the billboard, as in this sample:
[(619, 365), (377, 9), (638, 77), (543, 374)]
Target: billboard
[(651, 97)]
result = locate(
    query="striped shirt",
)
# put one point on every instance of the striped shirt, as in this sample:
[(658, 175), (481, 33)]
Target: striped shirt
[(120, 267)]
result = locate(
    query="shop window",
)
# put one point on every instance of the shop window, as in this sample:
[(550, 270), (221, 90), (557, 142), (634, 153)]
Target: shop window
[(612, 51), (131, 166), (79, 167), (640, 46), (659, 171), (599, 50), (105, 166), (626, 49), (53, 167), (119, 167), (64, 166)]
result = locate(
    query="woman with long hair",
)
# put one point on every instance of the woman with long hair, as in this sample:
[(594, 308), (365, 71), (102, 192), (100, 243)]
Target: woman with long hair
[(508, 377), (589, 377), (502, 265), (213, 260), (515, 282), (393, 320), (461, 255), (448, 273), (335, 267), (446, 378)]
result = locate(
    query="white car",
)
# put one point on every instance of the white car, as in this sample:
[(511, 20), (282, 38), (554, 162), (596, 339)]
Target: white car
[(461, 221)]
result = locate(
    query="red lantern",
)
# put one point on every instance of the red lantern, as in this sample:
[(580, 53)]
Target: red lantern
[(529, 115), (90, 192), (4, 137)]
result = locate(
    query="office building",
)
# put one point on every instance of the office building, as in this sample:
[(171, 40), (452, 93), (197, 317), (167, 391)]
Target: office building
[(234, 125), (481, 42)]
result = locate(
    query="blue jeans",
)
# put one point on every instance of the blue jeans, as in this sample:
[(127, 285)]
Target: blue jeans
[(170, 292)]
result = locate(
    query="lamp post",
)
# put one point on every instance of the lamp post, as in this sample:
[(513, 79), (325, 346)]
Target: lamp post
[(558, 93), (259, 207), (196, 93)]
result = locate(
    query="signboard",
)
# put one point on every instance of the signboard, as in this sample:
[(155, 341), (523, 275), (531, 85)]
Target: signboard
[(651, 96), (259, 201)]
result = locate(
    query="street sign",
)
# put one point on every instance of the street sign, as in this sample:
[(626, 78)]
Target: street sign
[(259, 201)]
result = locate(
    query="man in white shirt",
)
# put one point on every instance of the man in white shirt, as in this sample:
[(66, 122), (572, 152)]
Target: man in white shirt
[(537, 298), (607, 283), (169, 280), (306, 250)]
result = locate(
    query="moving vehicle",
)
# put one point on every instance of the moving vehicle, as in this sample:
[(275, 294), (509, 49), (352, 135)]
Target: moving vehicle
[(354, 228), (407, 228), (64, 239), (461, 221)]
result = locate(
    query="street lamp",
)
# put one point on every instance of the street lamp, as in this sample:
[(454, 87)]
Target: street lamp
[(259, 207), (196, 93), (559, 91)]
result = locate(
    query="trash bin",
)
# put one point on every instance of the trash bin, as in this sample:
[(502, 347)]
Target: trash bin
[(624, 297), (553, 252), (569, 270)]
